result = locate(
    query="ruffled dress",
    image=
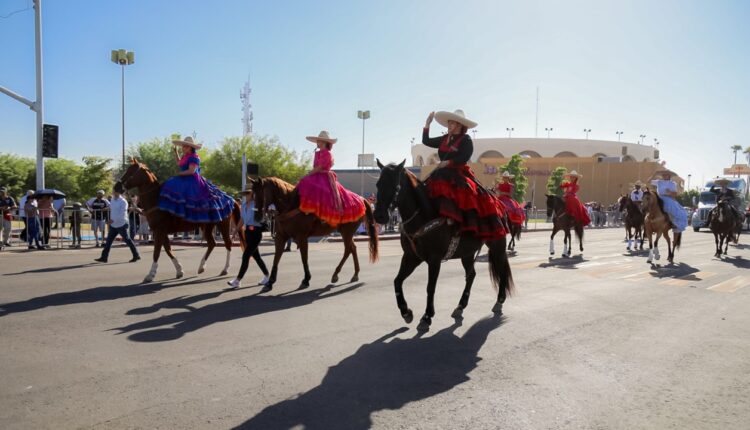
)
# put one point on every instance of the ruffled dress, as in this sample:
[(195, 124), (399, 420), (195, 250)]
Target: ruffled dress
[(193, 197), (672, 207), (573, 206), (516, 214), (321, 194)]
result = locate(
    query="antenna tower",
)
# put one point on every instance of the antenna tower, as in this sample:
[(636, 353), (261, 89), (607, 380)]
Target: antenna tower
[(247, 112)]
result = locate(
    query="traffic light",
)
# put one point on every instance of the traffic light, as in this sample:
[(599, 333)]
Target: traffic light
[(49, 140), (253, 169)]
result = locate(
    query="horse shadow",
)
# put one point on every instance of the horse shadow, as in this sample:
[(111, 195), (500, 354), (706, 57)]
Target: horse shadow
[(61, 268), (174, 326), (93, 295), (571, 262), (381, 375), (738, 262), (680, 270)]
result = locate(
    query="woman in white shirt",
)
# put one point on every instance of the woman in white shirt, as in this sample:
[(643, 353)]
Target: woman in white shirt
[(667, 190)]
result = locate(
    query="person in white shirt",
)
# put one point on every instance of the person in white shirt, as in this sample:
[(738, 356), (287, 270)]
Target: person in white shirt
[(22, 212), (118, 224), (98, 207), (252, 229), (637, 194), (59, 205)]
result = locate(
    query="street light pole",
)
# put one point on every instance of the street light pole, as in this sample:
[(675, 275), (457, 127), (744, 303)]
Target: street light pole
[(509, 130), (123, 58), (618, 133), (363, 115), (642, 136), (688, 184), (548, 130), (587, 131)]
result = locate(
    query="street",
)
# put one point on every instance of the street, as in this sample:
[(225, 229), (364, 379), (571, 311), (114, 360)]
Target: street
[(603, 341)]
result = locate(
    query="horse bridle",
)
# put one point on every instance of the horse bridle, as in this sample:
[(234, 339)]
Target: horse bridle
[(394, 201)]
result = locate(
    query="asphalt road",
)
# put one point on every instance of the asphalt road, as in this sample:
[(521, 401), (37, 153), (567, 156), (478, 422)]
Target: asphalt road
[(599, 342)]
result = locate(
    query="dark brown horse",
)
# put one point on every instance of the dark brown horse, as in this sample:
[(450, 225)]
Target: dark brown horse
[(163, 223), (633, 221), (425, 237), (657, 222), (514, 231), (562, 220), (725, 226), (291, 223)]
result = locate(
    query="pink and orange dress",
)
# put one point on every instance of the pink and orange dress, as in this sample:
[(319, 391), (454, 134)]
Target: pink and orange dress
[(516, 214), (321, 194), (574, 206)]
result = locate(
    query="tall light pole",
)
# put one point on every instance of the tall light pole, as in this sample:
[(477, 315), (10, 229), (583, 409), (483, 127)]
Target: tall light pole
[(642, 136), (509, 130), (618, 133), (587, 131), (548, 130), (363, 115), (123, 58), (474, 133), (688, 184)]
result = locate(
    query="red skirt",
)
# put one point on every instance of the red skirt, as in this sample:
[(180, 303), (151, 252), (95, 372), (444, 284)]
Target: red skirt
[(576, 209), (516, 214), (460, 197)]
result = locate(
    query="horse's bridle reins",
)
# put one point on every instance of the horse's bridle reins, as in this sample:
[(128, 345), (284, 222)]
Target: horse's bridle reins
[(142, 193)]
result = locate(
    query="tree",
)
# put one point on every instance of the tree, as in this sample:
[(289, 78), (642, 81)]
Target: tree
[(747, 154), (516, 169), (158, 155), (95, 175), (16, 174), (554, 181), (223, 166), (685, 198), (736, 149), (63, 175)]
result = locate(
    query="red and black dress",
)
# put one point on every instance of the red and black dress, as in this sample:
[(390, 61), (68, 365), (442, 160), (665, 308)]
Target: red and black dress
[(574, 206), (515, 212), (458, 194)]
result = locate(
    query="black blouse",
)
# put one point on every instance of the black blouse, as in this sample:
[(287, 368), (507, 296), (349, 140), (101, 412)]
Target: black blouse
[(454, 148)]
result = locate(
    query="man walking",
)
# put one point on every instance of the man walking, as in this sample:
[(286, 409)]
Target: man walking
[(118, 224), (98, 208), (7, 204), (253, 234)]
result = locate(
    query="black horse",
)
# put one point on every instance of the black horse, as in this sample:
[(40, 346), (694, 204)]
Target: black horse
[(514, 230), (633, 221), (427, 237), (562, 220), (725, 226)]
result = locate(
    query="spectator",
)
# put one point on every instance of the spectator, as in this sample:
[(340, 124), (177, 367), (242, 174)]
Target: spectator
[(98, 207), (134, 216), (253, 235), (59, 206), (32, 222), (7, 204), (46, 213), (22, 212), (118, 224), (76, 216), (144, 231)]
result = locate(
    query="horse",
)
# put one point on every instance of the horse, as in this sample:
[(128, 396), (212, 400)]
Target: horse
[(163, 223), (633, 221), (514, 230), (725, 226), (290, 222), (562, 220), (429, 238), (657, 222)]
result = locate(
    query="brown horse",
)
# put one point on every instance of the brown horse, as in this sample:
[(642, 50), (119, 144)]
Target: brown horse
[(633, 221), (291, 223), (163, 223), (657, 222)]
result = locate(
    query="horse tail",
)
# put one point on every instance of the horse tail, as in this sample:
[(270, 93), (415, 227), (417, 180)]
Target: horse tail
[(372, 232), (236, 219), (500, 273), (677, 240)]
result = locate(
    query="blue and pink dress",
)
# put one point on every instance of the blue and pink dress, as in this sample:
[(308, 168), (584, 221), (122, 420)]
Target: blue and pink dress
[(194, 198)]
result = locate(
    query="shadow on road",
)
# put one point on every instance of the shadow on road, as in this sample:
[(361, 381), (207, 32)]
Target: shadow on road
[(381, 375), (197, 318), (97, 294), (564, 263), (738, 262), (61, 268), (679, 270)]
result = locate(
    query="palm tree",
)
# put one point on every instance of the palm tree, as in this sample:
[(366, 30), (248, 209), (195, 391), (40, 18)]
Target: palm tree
[(747, 154), (736, 149)]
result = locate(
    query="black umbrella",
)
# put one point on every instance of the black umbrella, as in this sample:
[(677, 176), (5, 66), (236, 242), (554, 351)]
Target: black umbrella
[(56, 194)]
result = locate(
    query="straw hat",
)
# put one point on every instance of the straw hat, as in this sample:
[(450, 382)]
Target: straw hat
[(638, 184), (458, 115), (187, 141), (573, 174), (100, 193), (323, 135), (722, 181), (248, 189), (506, 174)]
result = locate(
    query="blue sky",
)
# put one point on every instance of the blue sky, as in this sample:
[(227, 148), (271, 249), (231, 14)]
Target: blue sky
[(674, 70)]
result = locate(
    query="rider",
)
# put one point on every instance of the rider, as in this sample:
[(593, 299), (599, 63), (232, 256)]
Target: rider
[(667, 190), (723, 192), (637, 194), (321, 194), (190, 196), (573, 205), (504, 189), (458, 195)]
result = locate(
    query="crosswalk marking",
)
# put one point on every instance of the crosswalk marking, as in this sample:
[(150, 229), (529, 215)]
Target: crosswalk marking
[(731, 285)]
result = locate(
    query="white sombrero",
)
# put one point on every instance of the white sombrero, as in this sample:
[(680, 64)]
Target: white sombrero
[(573, 173), (721, 181), (458, 115), (506, 174), (638, 183), (323, 135), (187, 141)]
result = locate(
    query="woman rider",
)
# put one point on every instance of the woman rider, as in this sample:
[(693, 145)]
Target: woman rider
[(515, 212), (573, 206), (457, 193), (667, 190)]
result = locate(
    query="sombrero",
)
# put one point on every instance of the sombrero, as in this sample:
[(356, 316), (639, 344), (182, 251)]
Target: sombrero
[(506, 174), (458, 115), (573, 173), (247, 190), (722, 181), (187, 141), (638, 184), (323, 135)]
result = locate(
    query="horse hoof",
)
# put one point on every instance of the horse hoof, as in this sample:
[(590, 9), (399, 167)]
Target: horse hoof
[(552, 253), (458, 313), (657, 257), (304, 284), (648, 261), (201, 270), (223, 273), (179, 275), (408, 316), (355, 278), (334, 279), (497, 309), (147, 280), (424, 324), (266, 288)]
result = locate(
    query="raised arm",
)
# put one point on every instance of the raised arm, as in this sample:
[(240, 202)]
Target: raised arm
[(433, 142)]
